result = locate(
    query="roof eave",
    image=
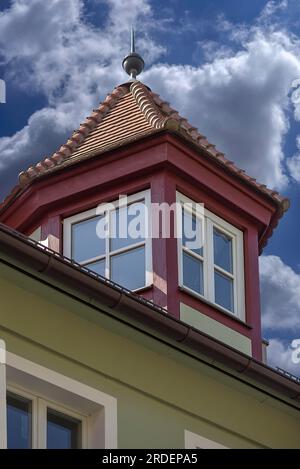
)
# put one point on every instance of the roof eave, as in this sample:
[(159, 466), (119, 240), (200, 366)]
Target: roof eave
[(128, 307)]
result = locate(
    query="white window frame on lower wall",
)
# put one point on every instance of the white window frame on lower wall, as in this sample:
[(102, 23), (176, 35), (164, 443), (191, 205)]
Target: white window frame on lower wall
[(39, 408), (209, 221), (46, 388), (109, 208), (194, 441)]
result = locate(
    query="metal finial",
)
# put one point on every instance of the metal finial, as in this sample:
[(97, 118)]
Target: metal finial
[(133, 63), (132, 40)]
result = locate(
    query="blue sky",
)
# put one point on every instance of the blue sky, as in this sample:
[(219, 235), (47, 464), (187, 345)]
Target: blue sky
[(227, 65)]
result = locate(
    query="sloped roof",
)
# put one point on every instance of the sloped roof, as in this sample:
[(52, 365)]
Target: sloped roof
[(129, 113)]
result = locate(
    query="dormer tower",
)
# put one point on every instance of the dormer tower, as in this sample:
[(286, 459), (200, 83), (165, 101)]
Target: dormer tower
[(135, 144)]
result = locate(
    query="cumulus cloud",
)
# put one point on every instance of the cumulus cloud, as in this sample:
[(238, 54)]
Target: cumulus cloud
[(51, 49), (293, 163), (280, 302), (280, 295), (280, 355), (238, 99), (272, 7)]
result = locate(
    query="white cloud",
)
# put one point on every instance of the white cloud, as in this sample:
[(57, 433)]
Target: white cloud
[(222, 23), (280, 295), (280, 304), (271, 8), (45, 129), (293, 163), (212, 50), (51, 49), (239, 99), (59, 53), (280, 355)]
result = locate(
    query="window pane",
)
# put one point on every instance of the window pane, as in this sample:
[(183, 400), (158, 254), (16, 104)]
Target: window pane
[(224, 291), (98, 267), (18, 422), (63, 432), (193, 273), (222, 250), (127, 225), (128, 269), (86, 244), (192, 233)]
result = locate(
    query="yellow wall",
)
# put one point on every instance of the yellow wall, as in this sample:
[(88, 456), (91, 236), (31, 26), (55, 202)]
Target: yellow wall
[(160, 391)]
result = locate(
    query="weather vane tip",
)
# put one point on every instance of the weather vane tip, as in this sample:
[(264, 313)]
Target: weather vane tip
[(133, 63)]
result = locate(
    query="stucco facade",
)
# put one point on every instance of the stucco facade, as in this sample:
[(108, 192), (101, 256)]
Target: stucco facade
[(165, 364), (160, 391)]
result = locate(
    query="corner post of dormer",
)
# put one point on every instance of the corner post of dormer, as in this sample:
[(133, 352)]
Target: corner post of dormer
[(51, 233)]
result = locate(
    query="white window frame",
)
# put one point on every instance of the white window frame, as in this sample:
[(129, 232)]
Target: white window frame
[(47, 388), (39, 408), (209, 221), (79, 217), (194, 441)]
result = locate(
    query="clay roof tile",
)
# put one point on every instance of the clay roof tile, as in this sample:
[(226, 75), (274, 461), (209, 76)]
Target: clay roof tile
[(129, 112)]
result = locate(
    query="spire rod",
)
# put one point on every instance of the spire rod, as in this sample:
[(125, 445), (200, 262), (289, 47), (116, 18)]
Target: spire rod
[(132, 40), (133, 63)]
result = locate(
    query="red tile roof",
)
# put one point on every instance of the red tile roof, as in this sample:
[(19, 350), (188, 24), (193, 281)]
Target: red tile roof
[(129, 113)]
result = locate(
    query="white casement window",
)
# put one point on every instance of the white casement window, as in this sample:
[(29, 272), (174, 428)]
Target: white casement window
[(40, 408), (124, 254), (33, 422), (194, 441), (212, 267)]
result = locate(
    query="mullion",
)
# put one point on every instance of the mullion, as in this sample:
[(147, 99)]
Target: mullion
[(192, 253), (112, 253), (92, 260), (108, 252), (224, 272), (127, 248)]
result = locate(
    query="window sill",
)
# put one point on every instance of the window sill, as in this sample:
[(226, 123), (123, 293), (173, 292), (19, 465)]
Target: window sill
[(214, 305), (146, 288)]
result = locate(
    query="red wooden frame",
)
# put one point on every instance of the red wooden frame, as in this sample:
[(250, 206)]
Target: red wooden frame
[(165, 164)]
